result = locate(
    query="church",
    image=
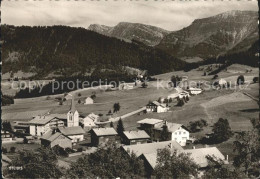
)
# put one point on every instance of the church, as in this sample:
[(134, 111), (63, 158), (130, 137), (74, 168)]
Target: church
[(72, 115)]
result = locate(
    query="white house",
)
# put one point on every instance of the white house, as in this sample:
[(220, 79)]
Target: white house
[(195, 91), (76, 133), (184, 94), (178, 132), (88, 100), (39, 125), (89, 121), (222, 83), (155, 106)]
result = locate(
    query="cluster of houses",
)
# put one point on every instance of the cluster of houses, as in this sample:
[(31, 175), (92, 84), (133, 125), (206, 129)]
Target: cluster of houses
[(160, 107), (69, 129)]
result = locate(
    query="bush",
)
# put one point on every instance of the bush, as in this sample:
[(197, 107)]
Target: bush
[(80, 149), (4, 150), (58, 150), (79, 94), (12, 149), (69, 150), (256, 79), (240, 80), (25, 140), (180, 102), (215, 77)]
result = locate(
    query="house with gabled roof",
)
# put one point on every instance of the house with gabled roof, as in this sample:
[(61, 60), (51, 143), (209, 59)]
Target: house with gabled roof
[(53, 138), (177, 132), (135, 137), (148, 148), (89, 121), (155, 106), (199, 156), (39, 125), (101, 136), (148, 124), (76, 133)]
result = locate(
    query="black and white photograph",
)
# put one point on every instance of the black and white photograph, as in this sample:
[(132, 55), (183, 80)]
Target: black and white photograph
[(124, 89)]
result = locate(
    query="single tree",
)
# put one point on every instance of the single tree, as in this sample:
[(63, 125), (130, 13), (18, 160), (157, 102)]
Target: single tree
[(6, 126), (180, 101), (240, 80), (79, 94), (111, 124), (256, 79), (247, 148), (221, 130), (165, 133), (172, 165), (116, 107), (12, 149), (41, 163), (109, 162), (25, 140), (79, 101), (120, 127)]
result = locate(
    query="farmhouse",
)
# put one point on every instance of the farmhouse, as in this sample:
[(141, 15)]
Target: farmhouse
[(148, 124), (195, 91), (101, 136), (135, 137), (148, 148), (21, 126), (88, 100), (41, 124), (199, 156), (177, 132), (89, 121), (53, 138), (76, 133), (155, 106)]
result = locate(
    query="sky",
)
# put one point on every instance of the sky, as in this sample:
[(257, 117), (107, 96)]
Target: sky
[(167, 14)]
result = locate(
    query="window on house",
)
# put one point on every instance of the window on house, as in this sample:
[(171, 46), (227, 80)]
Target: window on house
[(175, 133), (179, 133), (184, 132)]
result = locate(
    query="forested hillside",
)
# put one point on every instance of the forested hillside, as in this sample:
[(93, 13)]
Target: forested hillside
[(65, 51)]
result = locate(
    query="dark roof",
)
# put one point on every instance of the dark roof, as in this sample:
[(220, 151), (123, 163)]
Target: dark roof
[(75, 130), (141, 134), (50, 136)]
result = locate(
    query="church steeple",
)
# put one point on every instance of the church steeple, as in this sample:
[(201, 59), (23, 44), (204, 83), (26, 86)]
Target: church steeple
[(73, 115), (72, 107)]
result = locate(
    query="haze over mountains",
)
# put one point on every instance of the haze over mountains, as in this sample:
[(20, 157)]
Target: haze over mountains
[(69, 50)]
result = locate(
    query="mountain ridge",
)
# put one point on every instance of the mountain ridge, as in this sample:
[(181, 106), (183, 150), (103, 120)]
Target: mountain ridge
[(147, 34), (212, 36)]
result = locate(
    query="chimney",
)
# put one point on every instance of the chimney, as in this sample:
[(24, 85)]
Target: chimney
[(193, 147)]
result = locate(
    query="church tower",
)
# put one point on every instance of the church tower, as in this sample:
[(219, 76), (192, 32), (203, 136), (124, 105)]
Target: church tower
[(73, 115)]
